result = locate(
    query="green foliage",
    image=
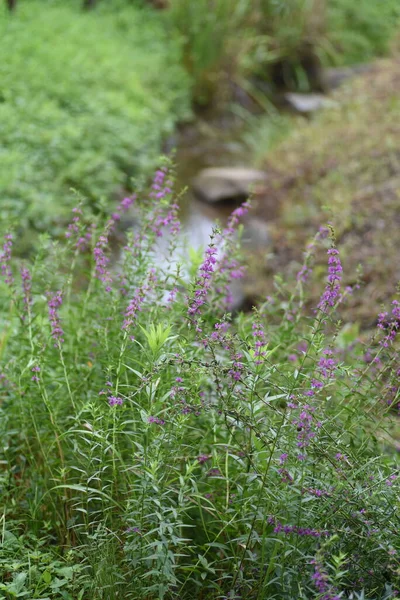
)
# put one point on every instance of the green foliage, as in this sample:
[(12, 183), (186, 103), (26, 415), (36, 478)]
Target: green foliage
[(212, 37), (155, 447), (230, 41), (360, 31), (86, 100)]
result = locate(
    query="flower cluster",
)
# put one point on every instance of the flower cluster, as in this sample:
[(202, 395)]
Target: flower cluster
[(135, 304), (54, 302), (160, 186), (101, 260), (73, 227), (390, 323), (236, 370), (234, 219), (321, 582), (26, 288), (35, 369), (203, 458), (5, 259), (115, 401), (203, 283), (305, 425), (332, 290), (260, 343), (156, 420), (296, 529)]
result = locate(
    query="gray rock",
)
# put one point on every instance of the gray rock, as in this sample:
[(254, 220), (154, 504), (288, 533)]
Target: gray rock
[(226, 183), (308, 103)]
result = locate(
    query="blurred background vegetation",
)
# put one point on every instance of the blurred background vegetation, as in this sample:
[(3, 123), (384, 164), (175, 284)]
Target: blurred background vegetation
[(88, 97)]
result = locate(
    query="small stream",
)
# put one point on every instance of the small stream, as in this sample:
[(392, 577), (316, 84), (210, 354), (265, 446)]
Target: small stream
[(211, 143)]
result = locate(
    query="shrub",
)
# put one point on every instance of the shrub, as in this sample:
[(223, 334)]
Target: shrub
[(86, 101), (163, 448)]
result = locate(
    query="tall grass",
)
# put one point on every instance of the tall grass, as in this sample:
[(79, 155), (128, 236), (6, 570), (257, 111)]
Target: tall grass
[(155, 446), (213, 35)]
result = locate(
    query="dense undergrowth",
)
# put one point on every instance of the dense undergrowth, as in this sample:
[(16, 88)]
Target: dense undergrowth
[(155, 446), (86, 100)]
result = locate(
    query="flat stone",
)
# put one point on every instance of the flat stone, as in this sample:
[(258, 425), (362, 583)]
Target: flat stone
[(308, 103), (227, 183)]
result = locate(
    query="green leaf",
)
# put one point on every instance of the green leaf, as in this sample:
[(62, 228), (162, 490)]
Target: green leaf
[(46, 576)]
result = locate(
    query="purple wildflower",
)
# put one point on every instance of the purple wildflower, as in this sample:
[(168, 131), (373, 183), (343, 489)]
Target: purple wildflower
[(215, 472), (237, 367), (260, 343), (35, 369), (73, 227), (390, 323), (54, 302), (327, 364), (160, 187), (321, 582), (156, 420), (295, 529), (172, 295), (126, 203), (115, 401), (203, 458), (332, 290), (102, 260), (390, 481), (203, 282), (5, 259), (305, 425), (235, 217), (133, 530), (135, 306), (303, 274), (286, 476), (26, 287)]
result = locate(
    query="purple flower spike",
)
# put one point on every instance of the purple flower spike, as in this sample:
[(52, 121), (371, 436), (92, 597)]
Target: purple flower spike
[(332, 290), (5, 259), (203, 282), (26, 288), (54, 302)]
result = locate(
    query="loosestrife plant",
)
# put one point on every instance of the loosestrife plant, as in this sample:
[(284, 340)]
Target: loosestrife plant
[(159, 447)]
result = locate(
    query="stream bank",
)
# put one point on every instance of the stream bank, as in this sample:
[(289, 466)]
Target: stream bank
[(238, 141), (341, 166)]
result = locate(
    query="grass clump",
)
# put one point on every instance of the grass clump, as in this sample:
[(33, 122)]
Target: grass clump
[(86, 100), (155, 446)]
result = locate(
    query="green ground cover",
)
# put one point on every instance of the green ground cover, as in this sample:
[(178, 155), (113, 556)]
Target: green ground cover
[(86, 100)]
